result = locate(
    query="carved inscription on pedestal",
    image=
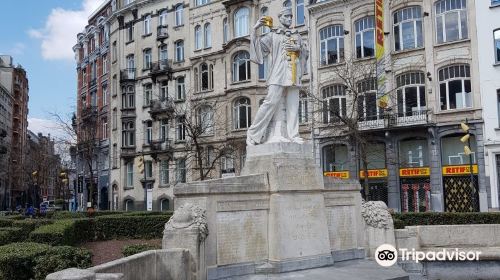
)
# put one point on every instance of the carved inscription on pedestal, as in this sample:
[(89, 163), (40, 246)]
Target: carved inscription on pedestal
[(240, 205), (341, 227), (241, 236)]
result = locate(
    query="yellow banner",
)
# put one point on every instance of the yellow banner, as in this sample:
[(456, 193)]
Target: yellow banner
[(373, 173), (383, 98), (451, 170), (415, 172), (337, 174)]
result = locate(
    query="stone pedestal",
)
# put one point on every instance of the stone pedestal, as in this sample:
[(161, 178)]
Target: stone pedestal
[(298, 229)]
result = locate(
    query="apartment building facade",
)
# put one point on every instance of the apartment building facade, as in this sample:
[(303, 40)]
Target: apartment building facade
[(6, 102), (488, 33), (416, 161), (14, 80), (92, 116)]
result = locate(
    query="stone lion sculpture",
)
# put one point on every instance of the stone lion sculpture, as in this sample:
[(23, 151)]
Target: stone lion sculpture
[(189, 216), (376, 215)]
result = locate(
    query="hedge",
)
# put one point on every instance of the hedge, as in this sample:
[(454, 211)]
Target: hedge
[(59, 258), (143, 227), (18, 259), (61, 232), (6, 223), (11, 234), (129, 250), (439, 218)]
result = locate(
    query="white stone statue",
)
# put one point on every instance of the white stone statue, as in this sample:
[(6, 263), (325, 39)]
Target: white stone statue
[(376, 214), (277, 117), (186, 217)]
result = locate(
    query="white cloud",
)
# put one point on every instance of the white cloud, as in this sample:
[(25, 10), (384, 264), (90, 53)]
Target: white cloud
[(58, 36), (46, 127), (18, 49)]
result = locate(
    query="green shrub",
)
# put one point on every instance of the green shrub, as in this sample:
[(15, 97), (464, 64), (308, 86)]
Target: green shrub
[(59, 258), (59, 215), (439, 218), (15, 217), (129, 250), (6, 223), (18, 259), (11, 234), (28, 225), (121, 226), (61, 232)]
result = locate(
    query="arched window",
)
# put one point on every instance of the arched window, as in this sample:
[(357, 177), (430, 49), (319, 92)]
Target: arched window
[(451, 20), (204, 77), (225, 30), (367, 100), (149, 132), (162, 19), (300, 12), (241, 66), (365, 37), (129, 205), (163, 53), (207, 35), (205, 116), (165, 205), (411, 94), (242, 113), (241, 18), (179, 51), (455, 87), (179, 10), (408, 28), (331, 44), (197, 37), (264, 12), (334, 103)]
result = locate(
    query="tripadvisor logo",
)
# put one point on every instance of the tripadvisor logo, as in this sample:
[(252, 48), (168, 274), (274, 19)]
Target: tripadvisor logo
[(386, 255)]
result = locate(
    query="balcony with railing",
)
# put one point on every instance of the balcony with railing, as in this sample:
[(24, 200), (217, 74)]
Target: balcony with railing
[(127, 74), (161, 107), (161, 67), (392, 120), (161, 145), (89, 111), (162, 32)]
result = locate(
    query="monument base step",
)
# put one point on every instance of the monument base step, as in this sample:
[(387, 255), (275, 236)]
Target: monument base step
[(362, 269)]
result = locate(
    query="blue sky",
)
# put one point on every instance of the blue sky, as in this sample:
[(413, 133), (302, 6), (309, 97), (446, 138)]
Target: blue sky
[(39, 34)]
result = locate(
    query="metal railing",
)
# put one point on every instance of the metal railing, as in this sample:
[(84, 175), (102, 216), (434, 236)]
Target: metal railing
[(161, 145), (162, 32), (161, 66), (387, 120), (127, 74)]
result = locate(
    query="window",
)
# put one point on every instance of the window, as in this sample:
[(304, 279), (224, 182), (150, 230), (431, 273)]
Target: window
[(164, 180), (130, 66), (263, 68), (201, 2), (163, 129), (495, 2), (128, 97), (411, 94), (129, 203), (205, 118), (165, 205), (496, 37), (128, 2), (335, 158), (207, 36), (147, 59), (128, 134), (147, 25), (300, 12), (264, 12), (204, 81), (179, 88), (241, 66), (93, 98), (115, 85), (408, 28), (225, 30), (413, 153), (242, 113), (455, 87), (451, 20), (367, 101), (197, 37), (180, 168), (115, 119), (334, 103), (114, 52), (105, 65), (115, 156), (104, 95), (163, 52), (84, 77), (163, 90), (241, 18), (130, 32), (148, 168), (129, 175), (365, 37), (104, 128), (162, 19), (180, 129), (227, 164), (452, 150), (179, 10), (179, 51), (331, 44), (149, 132), (303, 108)]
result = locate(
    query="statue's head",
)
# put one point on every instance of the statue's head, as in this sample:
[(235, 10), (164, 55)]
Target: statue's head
[(285, 17)]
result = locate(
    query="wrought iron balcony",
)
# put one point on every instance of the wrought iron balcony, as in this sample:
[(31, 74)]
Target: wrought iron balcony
[(127, 74), (161, 145), (128, 151), (161, 68), (388, 120), (162, 32), (159, 107)]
